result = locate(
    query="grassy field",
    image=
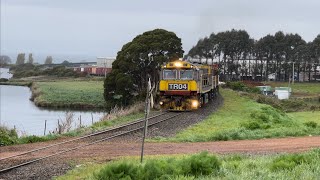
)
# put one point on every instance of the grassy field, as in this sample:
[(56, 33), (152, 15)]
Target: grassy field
[(242, 118), (70, 94), (309, 88), (205, 166)]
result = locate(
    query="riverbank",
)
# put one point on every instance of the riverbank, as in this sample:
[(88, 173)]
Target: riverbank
[(83, 95)]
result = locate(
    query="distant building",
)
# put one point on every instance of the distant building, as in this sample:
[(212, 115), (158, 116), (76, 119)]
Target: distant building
[(105, 62)]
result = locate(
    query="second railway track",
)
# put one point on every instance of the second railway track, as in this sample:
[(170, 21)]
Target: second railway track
[(18, 160)]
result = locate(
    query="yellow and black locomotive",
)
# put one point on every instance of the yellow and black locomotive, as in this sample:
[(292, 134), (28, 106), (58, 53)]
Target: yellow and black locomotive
[(185, 86)]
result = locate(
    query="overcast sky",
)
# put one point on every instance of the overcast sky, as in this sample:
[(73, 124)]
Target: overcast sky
[(101, 27)]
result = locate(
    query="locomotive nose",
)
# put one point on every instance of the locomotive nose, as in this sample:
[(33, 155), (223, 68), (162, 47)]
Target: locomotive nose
[(178, 102)]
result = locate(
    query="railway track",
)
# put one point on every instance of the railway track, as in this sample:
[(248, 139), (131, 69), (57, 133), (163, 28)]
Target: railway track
[(16, 161)]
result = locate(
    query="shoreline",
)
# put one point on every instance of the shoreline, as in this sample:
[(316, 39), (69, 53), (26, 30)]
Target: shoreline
[(36, 96)]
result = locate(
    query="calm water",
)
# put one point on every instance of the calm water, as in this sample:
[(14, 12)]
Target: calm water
[(4, 73), (17, 110)]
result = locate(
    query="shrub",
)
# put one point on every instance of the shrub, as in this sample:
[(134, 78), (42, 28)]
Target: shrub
[(33, 138), (311, 124), (201, 164), (117, 171), (252, 125), (8, 136), (3, 80), (196, 165), (240, 86)]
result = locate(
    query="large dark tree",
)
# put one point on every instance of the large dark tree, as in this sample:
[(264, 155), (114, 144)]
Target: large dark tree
[(136, 61), (316, 54)]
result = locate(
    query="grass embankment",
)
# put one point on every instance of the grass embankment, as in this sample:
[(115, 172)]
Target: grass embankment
[(242, 118), (69, 94), (309, 88), (10, 136), (206, 166), (17, 83)]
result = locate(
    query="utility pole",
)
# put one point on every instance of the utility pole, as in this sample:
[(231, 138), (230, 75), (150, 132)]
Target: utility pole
[(146, 113)]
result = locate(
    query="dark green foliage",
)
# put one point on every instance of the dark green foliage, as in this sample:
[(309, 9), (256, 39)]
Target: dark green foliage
[(8, 136), (288, 105), (290, 161), (273, 54), (311, 124), (139, 59), (27, 70), (196, 165), (118, 171), (266, 118), (3, 80), (33, 139), (201, 164), (240, 86), (252, 125)]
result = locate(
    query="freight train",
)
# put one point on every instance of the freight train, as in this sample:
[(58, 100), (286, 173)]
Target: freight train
[(185, 86)]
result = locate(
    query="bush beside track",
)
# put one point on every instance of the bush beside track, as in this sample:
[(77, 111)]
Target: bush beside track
[(206, 166)]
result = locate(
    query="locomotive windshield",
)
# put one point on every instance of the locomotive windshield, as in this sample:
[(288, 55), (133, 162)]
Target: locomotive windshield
[(169, 74), (186, 74)]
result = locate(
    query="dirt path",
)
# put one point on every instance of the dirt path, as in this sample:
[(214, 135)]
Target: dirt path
[(110, 150), (116, 149)]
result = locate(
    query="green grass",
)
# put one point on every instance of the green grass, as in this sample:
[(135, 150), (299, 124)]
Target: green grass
[(70, 94), (117, 121), (84, 171), (306, 116), (201, 166), (242, 118), (310, 88)]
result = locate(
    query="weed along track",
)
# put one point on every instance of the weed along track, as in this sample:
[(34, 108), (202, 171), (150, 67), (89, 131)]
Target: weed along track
[(12, 163)]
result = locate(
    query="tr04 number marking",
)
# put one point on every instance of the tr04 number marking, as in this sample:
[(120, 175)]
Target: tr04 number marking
[(178, 86)]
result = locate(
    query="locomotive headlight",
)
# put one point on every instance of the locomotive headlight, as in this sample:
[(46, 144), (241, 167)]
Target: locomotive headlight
[(178, 64), (161, 103), (194, 103)]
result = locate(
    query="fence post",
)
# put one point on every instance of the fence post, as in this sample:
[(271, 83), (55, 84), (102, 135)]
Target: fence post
[(91, 119), (45, 127), (80, 122), (59, 128)]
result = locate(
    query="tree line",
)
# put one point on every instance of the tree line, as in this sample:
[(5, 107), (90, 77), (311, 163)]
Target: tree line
[(239, 56), (22, 57)]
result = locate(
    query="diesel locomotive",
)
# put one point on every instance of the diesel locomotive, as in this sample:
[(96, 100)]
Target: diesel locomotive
[(185, 86)]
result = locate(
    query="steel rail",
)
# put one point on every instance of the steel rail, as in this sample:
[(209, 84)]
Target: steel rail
[(83, 137), (82, 146)]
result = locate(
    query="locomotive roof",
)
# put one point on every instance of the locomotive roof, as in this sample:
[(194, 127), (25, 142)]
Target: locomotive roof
[(184, 65)]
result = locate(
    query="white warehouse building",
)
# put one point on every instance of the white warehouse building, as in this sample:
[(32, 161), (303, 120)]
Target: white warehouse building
[(105, 62)]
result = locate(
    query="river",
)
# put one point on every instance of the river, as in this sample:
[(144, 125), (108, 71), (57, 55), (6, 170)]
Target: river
[(16, 110)]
